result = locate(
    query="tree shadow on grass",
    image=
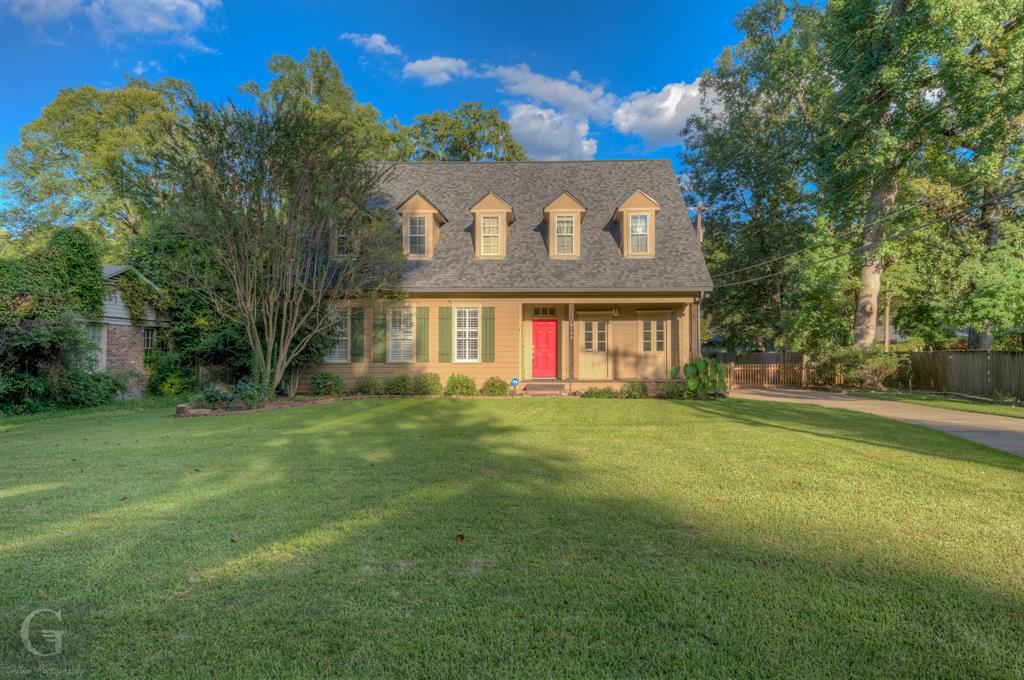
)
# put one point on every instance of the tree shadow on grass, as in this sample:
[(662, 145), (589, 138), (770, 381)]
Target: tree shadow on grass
[(339, 553)]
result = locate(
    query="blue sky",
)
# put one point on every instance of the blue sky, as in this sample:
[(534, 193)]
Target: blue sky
[(575, 80)]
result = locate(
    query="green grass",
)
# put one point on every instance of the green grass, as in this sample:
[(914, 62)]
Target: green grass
[(602, 538), (947, 401)]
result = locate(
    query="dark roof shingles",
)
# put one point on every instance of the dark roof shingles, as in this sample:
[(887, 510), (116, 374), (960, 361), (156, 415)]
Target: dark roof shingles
[(601, 186)]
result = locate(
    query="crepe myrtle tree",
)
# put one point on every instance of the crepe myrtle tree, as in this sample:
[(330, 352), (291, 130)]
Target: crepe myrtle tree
[(277, 205)]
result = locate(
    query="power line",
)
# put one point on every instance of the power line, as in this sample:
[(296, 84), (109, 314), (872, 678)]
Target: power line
[(863, 249)]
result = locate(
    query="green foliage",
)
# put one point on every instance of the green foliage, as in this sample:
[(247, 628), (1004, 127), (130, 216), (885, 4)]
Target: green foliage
[(702, 378), (138, 294), (674, 389), (167, 375), (600, 393), (854, 367), (399, 385), (174, 385), (367, 384), (460, 385), (250, 392), (427, 384), (634, 390), (469, 133), (211, 396), (27, 393), (495, 387), (326, 383)]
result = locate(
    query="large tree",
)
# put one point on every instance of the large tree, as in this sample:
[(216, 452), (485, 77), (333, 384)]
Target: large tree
[(469, 133), (67, 169), (278, 204)]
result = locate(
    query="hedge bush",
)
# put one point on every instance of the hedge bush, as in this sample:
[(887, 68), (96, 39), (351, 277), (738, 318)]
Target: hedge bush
[(461, 385), (399, 385), (210, 397), (676, 389), (367, 384), (250, 392), (427, 384), (855, 367), (600, 393), (326, 383), (634, 390), (495, 387)]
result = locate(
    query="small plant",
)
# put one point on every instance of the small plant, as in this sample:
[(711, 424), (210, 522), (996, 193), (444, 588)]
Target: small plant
[(495, 387), (600, 393), (427, 384), (367, 384), (705, 377), (634, 390), (174, 384), (327, 383), (210, 397), (461, 385), (399, 385), (1001, 397), (676, 389), (250, 392)]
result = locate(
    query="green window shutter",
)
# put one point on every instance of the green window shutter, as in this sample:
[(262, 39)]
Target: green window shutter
[(356, 332), (422, 334), (380, 336), (487, 335), (444, 334)]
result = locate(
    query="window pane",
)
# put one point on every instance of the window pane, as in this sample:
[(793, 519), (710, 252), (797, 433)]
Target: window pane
[(638, 233), (602, 334), (660, 336), (94, 356), (588, 336), (417, 235), (490, 231), (564, 235), (400, 335), (340, 351), (647, 336), (467, 334)]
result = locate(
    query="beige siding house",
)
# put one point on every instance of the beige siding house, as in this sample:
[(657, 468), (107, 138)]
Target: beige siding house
[(562, 274)]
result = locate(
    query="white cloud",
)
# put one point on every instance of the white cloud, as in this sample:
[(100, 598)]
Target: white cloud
[(141, 67), (581, 99), (657, 117), (178, 20), (551, 135), (436, 70), (376, 43)]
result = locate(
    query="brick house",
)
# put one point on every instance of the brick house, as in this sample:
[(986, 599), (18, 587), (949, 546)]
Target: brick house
[(122, 344)]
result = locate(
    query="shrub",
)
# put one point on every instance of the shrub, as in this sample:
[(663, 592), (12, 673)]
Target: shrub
[(327, 383), (250, 392), (174, 384), (399, 385), (367, 384), (854, 367), (427, 383), (82, 388), (495, 387), (461, 385), (210, 397), (676, 389), (167, 374), (600, 393), (634, 390)]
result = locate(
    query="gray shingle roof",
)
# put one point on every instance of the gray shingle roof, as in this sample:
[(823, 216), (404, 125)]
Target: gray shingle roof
[(529, 186)]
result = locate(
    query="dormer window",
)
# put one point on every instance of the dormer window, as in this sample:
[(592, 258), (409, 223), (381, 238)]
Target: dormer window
[(417, 235), (564, 216), (491, 217), (636, 218), (421, 226)]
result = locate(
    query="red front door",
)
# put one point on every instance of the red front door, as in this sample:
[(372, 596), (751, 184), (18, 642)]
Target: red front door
[(545, 348)]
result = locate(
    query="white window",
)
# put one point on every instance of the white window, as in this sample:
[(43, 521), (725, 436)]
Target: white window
[(467, 334), (654, 336), (400, 334), (564, 234), (339, 354), (417, 235), (96, 355), (490, 231), (638, 234)]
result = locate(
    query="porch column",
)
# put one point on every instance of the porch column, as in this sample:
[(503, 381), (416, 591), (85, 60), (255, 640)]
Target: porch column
[(571, 363)]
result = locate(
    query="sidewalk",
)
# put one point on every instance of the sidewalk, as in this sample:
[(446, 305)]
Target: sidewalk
[(999, 432)]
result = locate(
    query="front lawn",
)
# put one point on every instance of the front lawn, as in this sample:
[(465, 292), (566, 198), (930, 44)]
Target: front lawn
[(539, 537), (948, 401)]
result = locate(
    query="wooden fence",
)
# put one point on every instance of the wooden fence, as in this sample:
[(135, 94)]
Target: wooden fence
[(973, 372), (775, 375)]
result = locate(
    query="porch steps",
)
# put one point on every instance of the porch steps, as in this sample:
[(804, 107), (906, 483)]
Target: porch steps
[(544, 389)]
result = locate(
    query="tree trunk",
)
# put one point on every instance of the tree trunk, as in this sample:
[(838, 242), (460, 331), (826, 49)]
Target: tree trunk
[(991, 218), (865, 318)]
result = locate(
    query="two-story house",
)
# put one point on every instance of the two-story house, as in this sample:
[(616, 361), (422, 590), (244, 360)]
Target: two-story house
[(563, 274)]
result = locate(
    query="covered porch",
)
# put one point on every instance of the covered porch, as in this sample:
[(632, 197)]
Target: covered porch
[(575, 344)]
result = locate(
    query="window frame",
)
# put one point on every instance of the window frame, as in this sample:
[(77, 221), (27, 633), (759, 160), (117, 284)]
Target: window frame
[(97, 359), (572, 234), (478, 331), (333, 357), (496, 236), (646, 233), (653, 335), (391, 339), (409, 236)]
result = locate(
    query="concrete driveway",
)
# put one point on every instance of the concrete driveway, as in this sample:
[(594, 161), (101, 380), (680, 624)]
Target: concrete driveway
[(999, 432)]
